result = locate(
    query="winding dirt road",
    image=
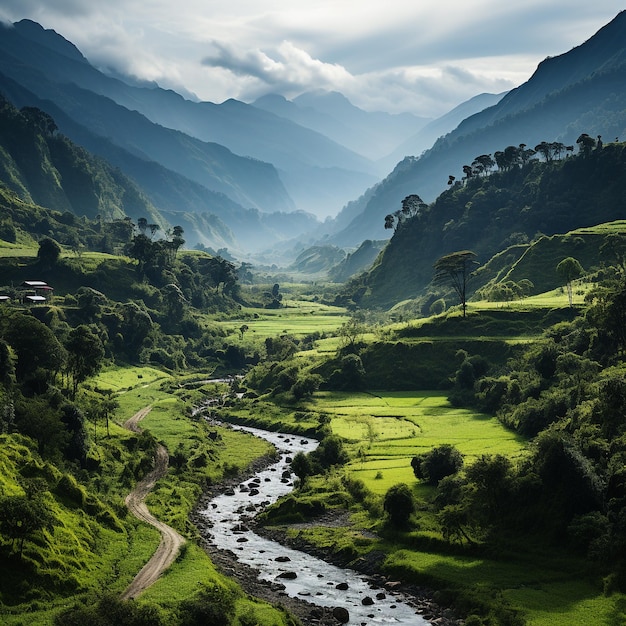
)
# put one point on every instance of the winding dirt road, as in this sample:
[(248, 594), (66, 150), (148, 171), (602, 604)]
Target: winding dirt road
[(171, 541)]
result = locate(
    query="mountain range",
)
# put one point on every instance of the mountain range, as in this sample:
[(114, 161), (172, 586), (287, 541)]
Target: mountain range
[(233, 160), (249, 176)]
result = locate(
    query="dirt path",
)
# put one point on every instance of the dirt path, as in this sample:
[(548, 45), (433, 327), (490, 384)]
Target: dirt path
[(171, 541)]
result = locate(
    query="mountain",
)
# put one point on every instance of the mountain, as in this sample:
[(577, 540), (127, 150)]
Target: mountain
[(45, 168), (426, 136), (489, 214), (247, 181), (581, 91), (356, 262), (370, 134), (298, 152)]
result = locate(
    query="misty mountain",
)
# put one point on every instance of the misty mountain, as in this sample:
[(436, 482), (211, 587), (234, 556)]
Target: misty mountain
[(222, 221), (371, 134), (426, 136), (581, 91), (499, 212), (245, 130), (247, 181)]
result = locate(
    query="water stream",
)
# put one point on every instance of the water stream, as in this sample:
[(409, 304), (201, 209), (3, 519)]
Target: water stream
[(303, 575)]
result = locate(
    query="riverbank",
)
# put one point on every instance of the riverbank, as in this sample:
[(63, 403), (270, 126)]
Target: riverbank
[(247, 577), (420, 599)]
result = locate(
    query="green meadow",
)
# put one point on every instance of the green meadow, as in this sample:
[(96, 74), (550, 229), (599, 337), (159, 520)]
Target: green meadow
[(385, 430), (296, 318)]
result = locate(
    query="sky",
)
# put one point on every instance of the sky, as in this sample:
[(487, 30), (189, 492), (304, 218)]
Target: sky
[(384, 55)]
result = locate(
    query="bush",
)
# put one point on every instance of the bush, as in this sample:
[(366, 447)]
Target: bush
[(399, 505), (435, 465)]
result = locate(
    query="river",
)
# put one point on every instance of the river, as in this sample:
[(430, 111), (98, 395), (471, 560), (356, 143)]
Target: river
[(303, 576)]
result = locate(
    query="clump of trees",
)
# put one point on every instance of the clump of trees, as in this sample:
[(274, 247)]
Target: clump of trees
[(439, 462)]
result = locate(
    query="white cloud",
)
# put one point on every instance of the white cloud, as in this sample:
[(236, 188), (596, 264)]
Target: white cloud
[(396, 55), (288, 70)]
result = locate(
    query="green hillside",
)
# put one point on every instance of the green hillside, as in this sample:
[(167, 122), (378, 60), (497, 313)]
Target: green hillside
[(489, 213)]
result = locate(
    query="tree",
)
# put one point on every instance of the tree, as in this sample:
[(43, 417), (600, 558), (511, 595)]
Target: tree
[(306, 385), (399, 505), (330, 452), (21, 517), (177, 240), (34, 344), (456, 268), (85, 353), (436, 464), (411, 207), (301, 466), (569, 269), (585, 144), (482, 164), (90, 301), (351, 334), (614, 249), (49, 252)]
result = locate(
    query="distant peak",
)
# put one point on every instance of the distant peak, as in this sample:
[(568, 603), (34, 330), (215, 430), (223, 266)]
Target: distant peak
[(271, 97), (48, 38)]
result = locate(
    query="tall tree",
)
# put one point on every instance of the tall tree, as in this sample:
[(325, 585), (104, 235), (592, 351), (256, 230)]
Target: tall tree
[(49, 252), (456, 269), (85, 353), (569, 269)]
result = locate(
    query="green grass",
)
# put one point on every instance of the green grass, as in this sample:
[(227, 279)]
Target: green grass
[(387, 429), (119, 379), (81, 555), (549, 590), (297, 318)]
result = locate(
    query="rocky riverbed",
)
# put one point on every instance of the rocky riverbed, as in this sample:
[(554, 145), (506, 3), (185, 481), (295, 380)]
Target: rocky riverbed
[(378, 600)]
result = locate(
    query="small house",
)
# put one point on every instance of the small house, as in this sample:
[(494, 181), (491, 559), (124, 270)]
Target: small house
[(35, 291)]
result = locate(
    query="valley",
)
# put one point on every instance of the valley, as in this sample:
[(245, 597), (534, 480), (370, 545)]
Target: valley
[(260, 367)]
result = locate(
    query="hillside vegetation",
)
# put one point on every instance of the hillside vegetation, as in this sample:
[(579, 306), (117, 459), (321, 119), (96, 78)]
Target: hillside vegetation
[(488, 213)]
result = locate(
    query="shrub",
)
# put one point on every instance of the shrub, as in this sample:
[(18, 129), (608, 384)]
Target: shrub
[(399, 505), (440, 462)]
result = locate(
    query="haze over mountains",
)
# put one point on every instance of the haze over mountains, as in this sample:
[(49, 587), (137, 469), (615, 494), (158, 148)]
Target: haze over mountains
[(250, 176), (581, 91)]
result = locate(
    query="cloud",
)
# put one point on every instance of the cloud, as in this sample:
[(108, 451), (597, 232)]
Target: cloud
[(288, 69), (291, 71), (397, 55)]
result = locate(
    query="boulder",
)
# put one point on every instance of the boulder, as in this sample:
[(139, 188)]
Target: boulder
[(341, 615)]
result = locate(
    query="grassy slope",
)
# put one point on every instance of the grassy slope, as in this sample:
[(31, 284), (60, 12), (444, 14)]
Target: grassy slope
[(82, 555)]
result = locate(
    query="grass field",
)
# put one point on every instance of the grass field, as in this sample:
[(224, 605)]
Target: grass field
[(387, 429), (546, 588), (297, 318)]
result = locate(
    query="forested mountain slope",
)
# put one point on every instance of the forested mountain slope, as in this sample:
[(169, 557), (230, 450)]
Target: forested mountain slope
[(488, 213), (220, 220), (46, 168), (27, 52), (581, 91)]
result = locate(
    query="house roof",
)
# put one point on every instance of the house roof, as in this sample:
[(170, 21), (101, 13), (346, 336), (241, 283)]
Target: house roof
[(36, 298), (36, 284)]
